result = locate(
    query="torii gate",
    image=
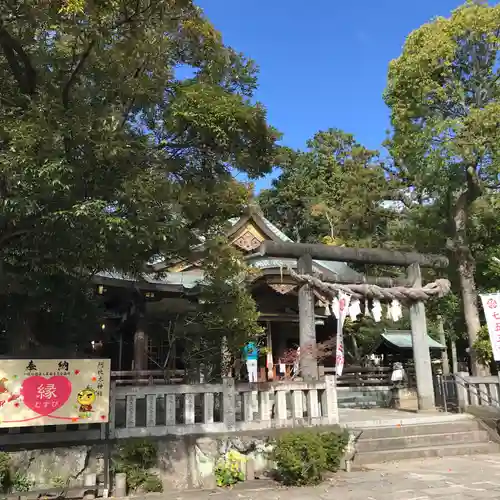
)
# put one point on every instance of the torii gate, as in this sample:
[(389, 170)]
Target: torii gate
[(410, 292)]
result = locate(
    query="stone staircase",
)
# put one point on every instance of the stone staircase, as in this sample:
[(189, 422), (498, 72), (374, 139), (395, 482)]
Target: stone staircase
[(459, 436)]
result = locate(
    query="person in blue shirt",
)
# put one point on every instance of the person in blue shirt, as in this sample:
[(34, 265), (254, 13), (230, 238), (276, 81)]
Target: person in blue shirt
[(251, 356)]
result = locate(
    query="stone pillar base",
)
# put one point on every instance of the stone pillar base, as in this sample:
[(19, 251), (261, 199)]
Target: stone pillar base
[(404, 399)]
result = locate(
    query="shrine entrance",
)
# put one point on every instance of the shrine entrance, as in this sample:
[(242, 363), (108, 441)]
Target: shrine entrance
[(408, 291)]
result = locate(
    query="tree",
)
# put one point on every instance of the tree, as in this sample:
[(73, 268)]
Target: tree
[(443, 94), (222, 317), (322, 195), (106, 157)]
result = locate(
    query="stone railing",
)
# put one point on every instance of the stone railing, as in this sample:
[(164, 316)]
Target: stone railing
[(477, 391), (196, 409)]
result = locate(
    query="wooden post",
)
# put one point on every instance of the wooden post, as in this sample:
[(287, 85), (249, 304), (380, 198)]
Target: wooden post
[(229, 403), (462, 390), (421, 354), (225, 353), (442, 338), (120, 489), (454, 358), (140, 346), (307, 323), (269, 345), (120, 352)]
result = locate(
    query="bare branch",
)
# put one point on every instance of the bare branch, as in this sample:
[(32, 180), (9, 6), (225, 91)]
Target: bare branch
[(10, 235), (24, 73), (72, 79)]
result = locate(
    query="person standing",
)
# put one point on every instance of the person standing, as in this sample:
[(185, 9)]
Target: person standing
[(251, 356)]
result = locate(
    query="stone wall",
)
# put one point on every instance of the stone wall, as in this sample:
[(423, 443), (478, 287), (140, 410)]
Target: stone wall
[(189, 463), (54, 467), (183, 462)]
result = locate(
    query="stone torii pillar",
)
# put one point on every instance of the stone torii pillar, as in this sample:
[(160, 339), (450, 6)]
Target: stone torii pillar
[(421, 350), (307, 323), (305, 253)]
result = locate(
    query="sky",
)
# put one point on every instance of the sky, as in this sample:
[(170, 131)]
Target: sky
[(323, 63)]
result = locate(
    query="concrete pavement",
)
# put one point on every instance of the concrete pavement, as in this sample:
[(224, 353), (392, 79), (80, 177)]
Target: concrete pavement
[(452, 478)]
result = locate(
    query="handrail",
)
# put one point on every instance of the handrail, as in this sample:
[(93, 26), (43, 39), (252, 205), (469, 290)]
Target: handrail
[(464, 382)]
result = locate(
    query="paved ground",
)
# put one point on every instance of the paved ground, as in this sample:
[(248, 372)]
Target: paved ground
[(454, 478)]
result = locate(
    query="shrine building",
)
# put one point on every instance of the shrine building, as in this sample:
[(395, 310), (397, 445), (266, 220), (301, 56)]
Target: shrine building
[(136, 344)]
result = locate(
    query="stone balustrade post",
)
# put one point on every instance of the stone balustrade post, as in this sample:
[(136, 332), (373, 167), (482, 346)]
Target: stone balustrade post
[(462, 390), (229, 403), (330, 407)]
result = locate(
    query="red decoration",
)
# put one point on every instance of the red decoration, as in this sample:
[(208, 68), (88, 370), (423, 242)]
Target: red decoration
[(319, 352), (77, 372), (492, 303), (45, 396)]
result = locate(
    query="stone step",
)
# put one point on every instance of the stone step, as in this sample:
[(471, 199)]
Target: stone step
[(401, 430), (421, 441), (377, 457), (358, 404)]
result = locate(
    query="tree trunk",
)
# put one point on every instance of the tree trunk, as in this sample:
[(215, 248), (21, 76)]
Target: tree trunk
[(442, 339), (355, 348), (466, 266), (454, 359), (471, 312)]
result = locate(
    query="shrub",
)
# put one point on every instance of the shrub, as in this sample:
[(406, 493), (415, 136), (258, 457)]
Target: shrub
[(138, 452), (5, 475), (21, 482), (152, 484), (335, 445), (482, 346), (303, 457), (135, 458), (300, 458), (228, 470)]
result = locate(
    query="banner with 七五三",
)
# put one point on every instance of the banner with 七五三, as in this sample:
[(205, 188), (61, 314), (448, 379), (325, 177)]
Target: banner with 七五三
[(491, 307)]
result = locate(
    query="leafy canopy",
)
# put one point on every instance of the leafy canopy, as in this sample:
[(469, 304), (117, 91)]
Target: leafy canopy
[(107, 157), (443, 92), (322, 194)]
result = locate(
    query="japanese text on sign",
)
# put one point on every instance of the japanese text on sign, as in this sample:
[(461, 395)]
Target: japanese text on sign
[(39, 392), (491, 306)]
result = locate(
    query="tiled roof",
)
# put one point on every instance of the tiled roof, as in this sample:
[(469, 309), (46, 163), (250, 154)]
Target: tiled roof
[(189, 280), (341, 269), (402, 339), (186, 280)]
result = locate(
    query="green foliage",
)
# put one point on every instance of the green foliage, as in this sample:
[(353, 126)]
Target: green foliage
[(5, 473), (107, 157), (226, 315), (11, 481), (228, 308), (229, 469), (482, 346), (152, 484), (302, 458), (135, 458), (443, 92), (322, 192), (21, 482), (58, 481), (334, 445), (363, 335)]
